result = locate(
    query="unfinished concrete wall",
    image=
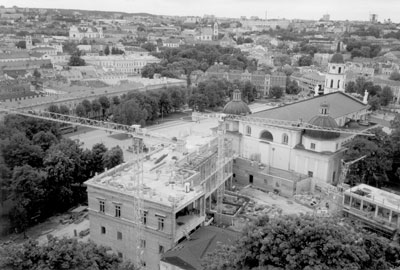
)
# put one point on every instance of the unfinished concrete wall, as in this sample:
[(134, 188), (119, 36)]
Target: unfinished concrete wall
[(247, 175)]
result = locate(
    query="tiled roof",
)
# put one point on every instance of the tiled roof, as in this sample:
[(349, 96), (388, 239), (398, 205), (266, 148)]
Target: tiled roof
[(340, 104)]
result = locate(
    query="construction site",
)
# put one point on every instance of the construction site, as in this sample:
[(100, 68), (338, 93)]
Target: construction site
[(144, 208)]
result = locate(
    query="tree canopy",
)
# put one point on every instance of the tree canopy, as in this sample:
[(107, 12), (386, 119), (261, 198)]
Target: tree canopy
[(304, 243), (60, 254)]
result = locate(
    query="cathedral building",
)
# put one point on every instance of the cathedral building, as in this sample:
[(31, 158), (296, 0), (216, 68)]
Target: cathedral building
[(289, 149)]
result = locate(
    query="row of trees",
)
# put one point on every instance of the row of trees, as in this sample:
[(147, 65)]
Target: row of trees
[(60, 254), (42, 172), (378, 96), (215, 93), (362, 49), (177, 62), (132, 108), (304, 242)]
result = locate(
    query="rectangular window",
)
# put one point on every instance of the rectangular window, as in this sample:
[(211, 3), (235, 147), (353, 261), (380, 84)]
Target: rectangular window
[(118, 211), (144, 217), (310, 174), (160, 249), (356, 203), (142, 243), (143, 263), (119, 235), (312, 146), (103, 230), (120, 255), (346, 200), (160, 223), (102, 206)]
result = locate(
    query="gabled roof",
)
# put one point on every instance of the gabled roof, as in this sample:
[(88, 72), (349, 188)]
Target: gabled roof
[(340, 104), (189, 253)]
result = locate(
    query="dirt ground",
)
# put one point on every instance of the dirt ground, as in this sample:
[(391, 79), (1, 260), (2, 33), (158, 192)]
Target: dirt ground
[(288, 206)]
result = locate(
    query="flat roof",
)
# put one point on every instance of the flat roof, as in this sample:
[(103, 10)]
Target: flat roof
[(377, 195), (164, 177)]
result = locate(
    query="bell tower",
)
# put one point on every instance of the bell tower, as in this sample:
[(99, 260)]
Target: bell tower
[(336, 76), (28, 42)]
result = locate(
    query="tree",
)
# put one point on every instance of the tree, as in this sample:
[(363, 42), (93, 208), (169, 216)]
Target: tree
[(87, 105), (107, 50), (276, 92), (98, 151), (395, 76), (113, 157), (177, 98), (61, 254), (165, 103), (198, 102), (305, 60), (386, 96), (44, 140), (305, 242), (374, 103), (64, 109), (21, 44), (292, 87), (76, 60), (351, 87), (129, 112), (28, 194), (19, 151), (105, 104), (80, 110), (37, 74), (116, 100), (54, 108), (378, 151)]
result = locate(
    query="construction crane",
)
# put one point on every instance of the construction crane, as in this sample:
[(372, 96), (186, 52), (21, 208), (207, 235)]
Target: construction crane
[(299, 125), (345, 170), (137, 133)]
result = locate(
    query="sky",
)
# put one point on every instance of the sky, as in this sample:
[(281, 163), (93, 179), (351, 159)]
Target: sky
[(289, 9)]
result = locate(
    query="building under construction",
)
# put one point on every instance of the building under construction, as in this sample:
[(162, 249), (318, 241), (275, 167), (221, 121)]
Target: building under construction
[(178, 191)]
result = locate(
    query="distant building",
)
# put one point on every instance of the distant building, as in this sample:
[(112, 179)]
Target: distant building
[(226, 41), (326, 17), (172, 43), (81, 32), (128, 64), (263, 81), (208, 33)]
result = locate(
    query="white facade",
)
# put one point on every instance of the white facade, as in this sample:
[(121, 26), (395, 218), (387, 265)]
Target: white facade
[(129, 64)]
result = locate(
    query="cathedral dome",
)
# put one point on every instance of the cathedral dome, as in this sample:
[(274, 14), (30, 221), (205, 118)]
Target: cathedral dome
[(325, 121), (337, 58), (236, 105)]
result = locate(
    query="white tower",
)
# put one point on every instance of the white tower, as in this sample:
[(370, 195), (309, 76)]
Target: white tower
[(28, 42), (215, 31), (336, 77)]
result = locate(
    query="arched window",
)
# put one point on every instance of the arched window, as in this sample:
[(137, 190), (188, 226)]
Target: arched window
[(331, 83), (285, 138), (267, 136), (248, 130), (340, 70)]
